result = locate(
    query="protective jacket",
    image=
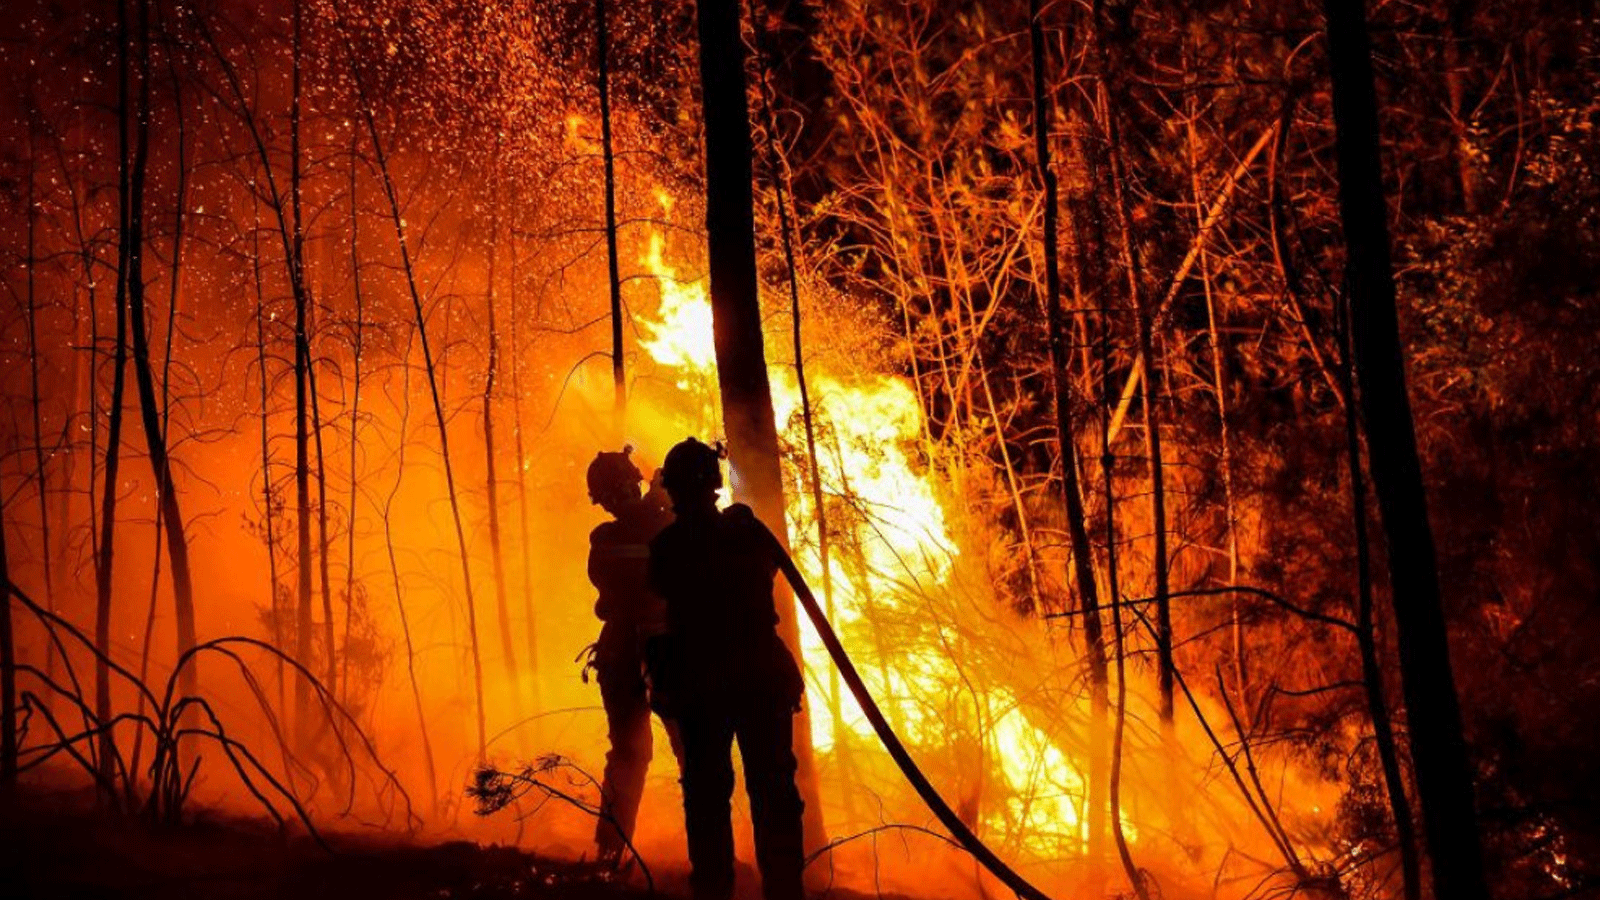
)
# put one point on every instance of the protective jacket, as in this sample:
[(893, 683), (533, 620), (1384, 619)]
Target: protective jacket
[(715, 570), (724, 675), (619, 554), (618, 563)]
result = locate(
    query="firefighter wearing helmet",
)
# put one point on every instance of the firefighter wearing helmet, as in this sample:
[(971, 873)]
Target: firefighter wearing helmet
[(631, 613), (723, 674)]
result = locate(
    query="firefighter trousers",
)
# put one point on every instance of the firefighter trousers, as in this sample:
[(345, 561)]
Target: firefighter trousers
[(624, 695), (765, 738)]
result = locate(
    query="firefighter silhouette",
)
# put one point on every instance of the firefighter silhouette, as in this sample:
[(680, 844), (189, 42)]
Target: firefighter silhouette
[(618, 558), (723, 674)]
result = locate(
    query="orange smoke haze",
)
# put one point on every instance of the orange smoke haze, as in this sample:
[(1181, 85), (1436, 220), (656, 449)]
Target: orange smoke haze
[(992, 703)]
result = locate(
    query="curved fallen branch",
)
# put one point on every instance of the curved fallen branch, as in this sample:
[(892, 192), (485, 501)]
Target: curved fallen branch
[(494, 790)]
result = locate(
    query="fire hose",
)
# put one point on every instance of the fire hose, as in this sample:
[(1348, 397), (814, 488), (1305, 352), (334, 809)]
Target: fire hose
[(891, 742)]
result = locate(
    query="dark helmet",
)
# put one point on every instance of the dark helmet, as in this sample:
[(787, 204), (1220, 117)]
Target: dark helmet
[(613, 477), (692, 467)]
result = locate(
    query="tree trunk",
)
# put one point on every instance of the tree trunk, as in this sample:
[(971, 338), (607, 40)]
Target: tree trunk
[(8, 672), (144, 377), (1145, 327), (529, 613), (1224, 436), (491, 483), (1438, 747), (302, 365), (278, 612), (1459, 20), (392, 197), (40, 459), (1113, 584), (108, 497), (782, 182), (400, 596), (736, 323), (603, 82), (1067, 446), (355, 414), (1100, 182), (330, 663), (1366, 640)]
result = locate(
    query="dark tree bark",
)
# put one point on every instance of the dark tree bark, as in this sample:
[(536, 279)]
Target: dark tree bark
[(491, 372), (736, 322), (174, 287), (392, 198), (1367, 643), (1067, 445), (529, 612), (1438, 747), (144, 377), (126, 200), (278, 613), (400, 596), (355, 411), (8, 671), (40, 458), (302, 376), (603, 83), (1150, 390), (782, 182), (330, 664)]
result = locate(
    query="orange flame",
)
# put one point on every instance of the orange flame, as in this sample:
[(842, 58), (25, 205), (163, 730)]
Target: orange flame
[(900, 544)]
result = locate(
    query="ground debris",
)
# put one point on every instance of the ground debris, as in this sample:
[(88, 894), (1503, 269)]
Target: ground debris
[(62, 850)]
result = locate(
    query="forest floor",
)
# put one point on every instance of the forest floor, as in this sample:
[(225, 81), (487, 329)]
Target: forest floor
[(59, 847)]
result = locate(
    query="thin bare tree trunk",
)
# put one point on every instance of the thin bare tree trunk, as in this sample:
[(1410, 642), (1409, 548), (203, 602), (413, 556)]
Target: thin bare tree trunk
[(438, 405), (87, 260), (8, 672), (781, 182), (160, 463), (148, 636), (399, 590), (491, 482), (1224, 434), (530, 614), (1438, 746), (1150, 391), (174, 278), (1458, 19), (355, 416), (302, 366), (108, 498), (330, 667), (41, 468), (1099, 180), (1366, 639), (1113, 584), (278, 613), (1067, 446), (603, 83)]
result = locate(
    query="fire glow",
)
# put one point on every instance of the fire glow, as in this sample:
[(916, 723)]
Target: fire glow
[(901, 547)]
